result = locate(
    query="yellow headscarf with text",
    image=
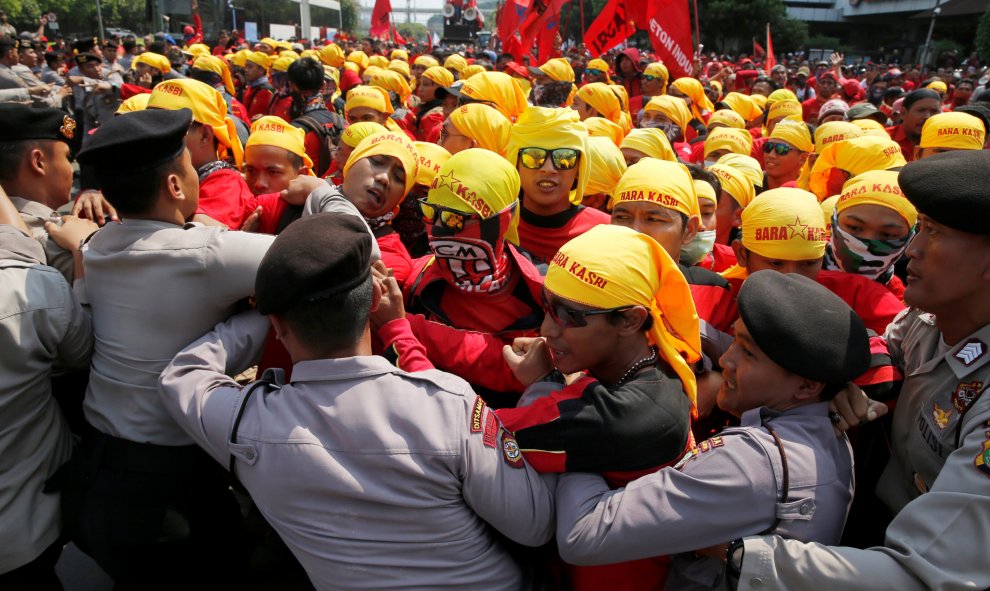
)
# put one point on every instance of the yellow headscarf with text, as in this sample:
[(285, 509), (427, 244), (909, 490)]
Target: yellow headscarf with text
[(275, 131), (551, 128), (485, 125), (208, 108), (652, 142)]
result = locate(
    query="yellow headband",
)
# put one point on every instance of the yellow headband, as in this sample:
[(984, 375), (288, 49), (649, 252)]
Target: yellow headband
[(208, 108), (392, 81), (734, 182), (332, 55), (737, 141), (426, 61), (262, 59), (696, 92), (138, 102), (794, 133), (400, 66), (601, 127), (500, 89), (704, 190), (744, 105), (549, 128), (784, 224), (607, 166), (601, 98), (558, 69), (274, 131), (456, 62), (667, 184), (785, 108), (155, 60), (728, 118), (471, 180), (877, 187), (485, 125), (354, 133), (747, 165), (389, 143), (854, 156), (835, 131), (651, 142), (216, 65), (674, 108), (633, 270), (439, 75), (373, 97), (959, 131), (600, 64), (431, 158)]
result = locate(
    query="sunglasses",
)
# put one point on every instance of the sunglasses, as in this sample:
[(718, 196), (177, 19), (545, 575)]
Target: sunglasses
[(593, 72), (780, 149), (451, 219), (563, 158), (569, 317), (650, 78)]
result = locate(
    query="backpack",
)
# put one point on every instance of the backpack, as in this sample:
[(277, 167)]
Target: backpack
[(328, 127)]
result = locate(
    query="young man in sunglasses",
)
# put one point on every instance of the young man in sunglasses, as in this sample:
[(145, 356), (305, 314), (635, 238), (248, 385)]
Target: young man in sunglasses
[(785, 153)]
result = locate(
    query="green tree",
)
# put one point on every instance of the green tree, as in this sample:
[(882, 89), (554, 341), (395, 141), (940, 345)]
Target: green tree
[(982, 41)]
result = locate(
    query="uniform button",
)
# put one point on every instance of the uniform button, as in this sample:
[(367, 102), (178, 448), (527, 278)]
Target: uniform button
[(756, 582), (249, 455), (805, 509)]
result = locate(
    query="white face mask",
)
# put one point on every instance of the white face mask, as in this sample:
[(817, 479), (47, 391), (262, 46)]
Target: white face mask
[(695, 251), (708, 163)]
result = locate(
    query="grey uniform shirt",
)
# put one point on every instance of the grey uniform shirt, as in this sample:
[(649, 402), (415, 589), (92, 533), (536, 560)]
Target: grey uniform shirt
[(43, 330), (726, 487), (375, 478), (939, 489), (35, 215), (153, 288)]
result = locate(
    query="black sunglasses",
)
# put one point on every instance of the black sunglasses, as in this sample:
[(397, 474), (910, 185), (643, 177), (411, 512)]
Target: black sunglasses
[(569, 317), (593, 72), (781, 149), (451, 219), (563, 158)]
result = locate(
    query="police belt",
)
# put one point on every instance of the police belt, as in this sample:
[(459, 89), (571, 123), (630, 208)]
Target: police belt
[(122, 454)]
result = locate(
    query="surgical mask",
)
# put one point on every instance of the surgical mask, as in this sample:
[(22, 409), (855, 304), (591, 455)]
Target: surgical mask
[(873, 259), (695, 251), (671, 130), (708, 163)]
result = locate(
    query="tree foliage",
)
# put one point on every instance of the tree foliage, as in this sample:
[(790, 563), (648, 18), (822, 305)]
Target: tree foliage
[(982, 40)]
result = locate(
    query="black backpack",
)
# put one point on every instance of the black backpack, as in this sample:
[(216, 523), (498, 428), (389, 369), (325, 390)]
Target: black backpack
[(328, 126)]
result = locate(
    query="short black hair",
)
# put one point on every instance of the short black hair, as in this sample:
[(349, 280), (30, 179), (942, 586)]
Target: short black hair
[(893, 92), (920, 95), (332, 323), (966, 81), (698, 173), (306, 73), (135, 192), (12, 155)]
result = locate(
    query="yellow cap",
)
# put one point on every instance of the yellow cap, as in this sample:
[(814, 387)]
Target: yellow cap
[(551, 128), (674, 108), (727, 118), (275, 131), (219, 67), (633, 270), (599, 126), (155, 60), (601, 98), (668, 184), (957, 131), (607, 166), (877, 187), (651, 142), (472, 180), (389, 143), (431, 158), (208, 108), (373, 97), (794, 133), (854, 156), (485, 125), (737, 141)]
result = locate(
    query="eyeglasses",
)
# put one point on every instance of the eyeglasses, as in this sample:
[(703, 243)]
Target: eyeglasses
[(569, 317), (593, 72), (780, 149), (650, 78), (451, 219), (563, 158)]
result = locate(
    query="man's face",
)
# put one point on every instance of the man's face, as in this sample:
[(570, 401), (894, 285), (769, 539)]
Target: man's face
[(750, 379), (963, 91), (268, 169), (786, 166), (452, 140), (779, 76), (253, 71), (578, 348), (28, 57), (584, 110), (359, 114), (757, 262), (948, 269), (662, 224), (426, 89), (91, 70), (375, 185), (827, 87), (915, 117), (56, 186), (547, 188)]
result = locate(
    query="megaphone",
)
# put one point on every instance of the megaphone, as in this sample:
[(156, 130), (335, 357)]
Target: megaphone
[(448, 10), (471, 13)]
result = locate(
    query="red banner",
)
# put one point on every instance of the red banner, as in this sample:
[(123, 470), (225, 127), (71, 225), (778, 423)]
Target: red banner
[(670, 35), (379, 19), (771, 60), (541, 24), (397, 37), (508, 22), (613, 26)]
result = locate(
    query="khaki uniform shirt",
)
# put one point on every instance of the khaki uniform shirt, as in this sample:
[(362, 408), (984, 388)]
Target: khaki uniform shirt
[(375, 478), (937, 480), (35, 215)]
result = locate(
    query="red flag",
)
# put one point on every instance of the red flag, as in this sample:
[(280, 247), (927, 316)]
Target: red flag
[(379, 18), (612, 27), (670, 35), (398, 37), (511, 15), (541, 24), (758, 50), (771, 60)]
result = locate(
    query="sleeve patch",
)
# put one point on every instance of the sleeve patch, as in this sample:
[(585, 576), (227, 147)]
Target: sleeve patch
[(510, 450), (477, 415), (490, 437)]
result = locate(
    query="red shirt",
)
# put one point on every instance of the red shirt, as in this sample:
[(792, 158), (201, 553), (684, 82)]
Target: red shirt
[(256, 100), (225, 197), (811, 107), (542, 236), (907, 146), (280, 107), (395, 256)]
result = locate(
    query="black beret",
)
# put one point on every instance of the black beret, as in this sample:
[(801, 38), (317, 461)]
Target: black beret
[(979, 111), (804, 327), (87, 57), (138, 141), (951, 188), (84, 45), (7, 43), (23, 122), (315, 258)]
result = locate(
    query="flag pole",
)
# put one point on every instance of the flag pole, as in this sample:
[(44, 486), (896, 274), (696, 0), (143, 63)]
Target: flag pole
[(697, 28)]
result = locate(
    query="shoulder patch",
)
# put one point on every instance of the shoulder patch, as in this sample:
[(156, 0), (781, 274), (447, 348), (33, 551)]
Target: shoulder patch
[(965, 395), (477, 415), (490, 437), (510, 450), (982, 461)]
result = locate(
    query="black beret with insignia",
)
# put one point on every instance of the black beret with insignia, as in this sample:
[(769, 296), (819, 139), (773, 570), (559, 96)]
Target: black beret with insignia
[(7, 43), (953, 188), (23, 122), (84, 45), (803, 327), (87, 57), (314, 258), (139, 141)]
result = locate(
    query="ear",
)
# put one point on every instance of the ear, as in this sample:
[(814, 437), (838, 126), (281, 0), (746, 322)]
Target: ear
[(175, 192), (376, 294), (741, 253), (632, 320), (37, 162), (809, 390), (207, 134), (280, 326), (690, 229), (917, 153)]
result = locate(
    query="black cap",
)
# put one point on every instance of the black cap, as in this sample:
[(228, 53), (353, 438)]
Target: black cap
[(138, 141), (803, 327), (315, 258), (979, 111), (23, 122), (951, 188), (865, 111), (7, 43), (84, 58)]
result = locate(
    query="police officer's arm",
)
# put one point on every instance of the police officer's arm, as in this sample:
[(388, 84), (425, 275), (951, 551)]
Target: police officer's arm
[(937, 541), (232, 264), (500, 486), (196, 389), (325, 198), (717, 496)]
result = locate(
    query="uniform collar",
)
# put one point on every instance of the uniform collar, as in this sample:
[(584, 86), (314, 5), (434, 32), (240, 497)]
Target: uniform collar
[(970, 354), (754, 417), (345, 368)]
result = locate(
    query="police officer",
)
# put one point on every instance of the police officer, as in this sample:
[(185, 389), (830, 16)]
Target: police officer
[(782, 470), (936, 482), (373, 477)]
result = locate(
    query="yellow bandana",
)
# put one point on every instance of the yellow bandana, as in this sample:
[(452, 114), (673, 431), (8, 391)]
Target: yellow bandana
[(601, 127), (877, 187), (485, 125), (455, 62), (283, 61), (651, 142), (744, 105), (239, 58), (558, 69), (660, 71), (696, 92), (360, 59), (332, 55), (262, 59), (155, 60), (354, 133), (835, 131), (550, 128), (958, 131), (431, 158), (502, 90), (379, 61), (198, 49), (854, 156), (667, 184), (737, 141), (747, 165), (426, 61), (727, 118), (607, 166), (601, 98), (389, 143), (400, 66), (704, 190), (785, 108), (871, 128), (392, 82), (216, 65), (439, 75), (274, 131), (471, 70), (784, 224), (138, 102), (399, 54), (674, 108), (633, 270), (208, 108), (794, 133), (472, 180), (600, 64), (373, 97), (734, 182)]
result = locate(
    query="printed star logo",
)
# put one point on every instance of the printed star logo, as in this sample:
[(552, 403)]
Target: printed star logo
[(798, 228), (447, 180), (972, 351)]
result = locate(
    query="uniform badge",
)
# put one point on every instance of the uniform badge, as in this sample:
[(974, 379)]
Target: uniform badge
[(940, 416), (477, 415), (982, 461), (965, 395), (970, 352), (490, 438), (510, 450), (68, 128)]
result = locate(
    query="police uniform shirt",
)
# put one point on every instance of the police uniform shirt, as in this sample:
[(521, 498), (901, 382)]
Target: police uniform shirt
[(375, 478), (154, 287), (43, 329), (727, 487), (937, 480), (35, 215)]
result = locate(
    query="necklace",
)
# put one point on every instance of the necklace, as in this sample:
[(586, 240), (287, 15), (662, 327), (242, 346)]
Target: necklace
[(644, 362)]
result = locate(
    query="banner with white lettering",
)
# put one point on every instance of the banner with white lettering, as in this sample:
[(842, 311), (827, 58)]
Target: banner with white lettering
[(670, 35), (613, 26)]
